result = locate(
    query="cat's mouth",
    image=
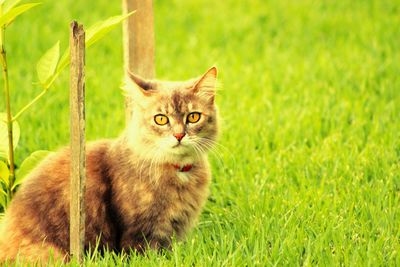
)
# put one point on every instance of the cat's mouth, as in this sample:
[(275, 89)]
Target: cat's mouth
[(179, 149), (178, 145)]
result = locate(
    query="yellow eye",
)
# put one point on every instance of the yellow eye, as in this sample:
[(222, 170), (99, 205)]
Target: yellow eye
[(161, 119), (193, 117)]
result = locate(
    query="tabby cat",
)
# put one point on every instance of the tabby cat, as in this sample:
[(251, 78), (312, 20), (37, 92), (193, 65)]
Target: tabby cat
[(143, 188)]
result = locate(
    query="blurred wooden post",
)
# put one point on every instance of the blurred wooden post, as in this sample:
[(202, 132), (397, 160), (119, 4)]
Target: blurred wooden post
[(77, 124), (138, 36)]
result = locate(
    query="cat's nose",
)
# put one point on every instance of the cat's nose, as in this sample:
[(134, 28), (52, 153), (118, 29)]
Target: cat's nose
[(179, 136)]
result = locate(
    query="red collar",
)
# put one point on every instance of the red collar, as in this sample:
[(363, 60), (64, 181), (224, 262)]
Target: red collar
[(184, 168)]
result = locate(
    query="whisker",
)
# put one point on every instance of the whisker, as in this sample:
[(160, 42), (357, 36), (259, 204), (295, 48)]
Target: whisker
[(217, 150)]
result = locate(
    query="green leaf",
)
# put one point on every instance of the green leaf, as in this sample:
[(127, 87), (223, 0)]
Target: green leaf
[(29, 164), (8, 4), (64, 61), (93, 34), (4, 172), (3, 203), (47, 64), (100, 29), (11, 14), (4, 135)]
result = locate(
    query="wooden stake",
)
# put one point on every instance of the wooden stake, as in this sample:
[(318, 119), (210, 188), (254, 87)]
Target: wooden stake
[(77, 124), (138, 38)]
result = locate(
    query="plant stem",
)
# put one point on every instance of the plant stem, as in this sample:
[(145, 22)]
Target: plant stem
[(29, 104), (3, 58)]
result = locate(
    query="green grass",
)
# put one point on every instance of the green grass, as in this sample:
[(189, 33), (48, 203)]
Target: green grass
[(310, 169)]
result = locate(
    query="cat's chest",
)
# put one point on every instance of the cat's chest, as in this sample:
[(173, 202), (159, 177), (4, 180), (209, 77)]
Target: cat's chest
[(170, 198), (170, 207)]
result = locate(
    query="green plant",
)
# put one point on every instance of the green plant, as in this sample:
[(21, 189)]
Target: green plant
[(310, 105), (48, 68)]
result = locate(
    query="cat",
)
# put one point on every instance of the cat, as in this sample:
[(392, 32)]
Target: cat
[(142, 189)]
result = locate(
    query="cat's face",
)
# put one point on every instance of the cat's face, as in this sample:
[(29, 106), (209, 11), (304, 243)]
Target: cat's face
[(173, 122)]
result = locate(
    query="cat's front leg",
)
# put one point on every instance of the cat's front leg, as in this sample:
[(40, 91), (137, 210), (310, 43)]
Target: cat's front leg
[(139, 242), (160, 243), (132, 241)]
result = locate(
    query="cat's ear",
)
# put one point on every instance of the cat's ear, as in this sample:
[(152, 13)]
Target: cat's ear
[(206, 85), (135, 84)]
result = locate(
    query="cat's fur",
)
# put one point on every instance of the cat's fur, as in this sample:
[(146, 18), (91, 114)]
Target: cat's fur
[(135, 197)]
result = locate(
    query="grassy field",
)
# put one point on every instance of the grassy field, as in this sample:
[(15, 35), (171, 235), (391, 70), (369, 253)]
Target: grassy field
[(308, 172)]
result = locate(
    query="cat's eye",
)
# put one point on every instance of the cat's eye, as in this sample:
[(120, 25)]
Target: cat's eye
[(193, 117), (161, 119)]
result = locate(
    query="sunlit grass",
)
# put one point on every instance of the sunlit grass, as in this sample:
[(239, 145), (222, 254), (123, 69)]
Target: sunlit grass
[(308, 172)]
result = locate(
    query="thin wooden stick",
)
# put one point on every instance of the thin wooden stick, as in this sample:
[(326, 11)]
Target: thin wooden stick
[(77, 124), (138, 38)]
